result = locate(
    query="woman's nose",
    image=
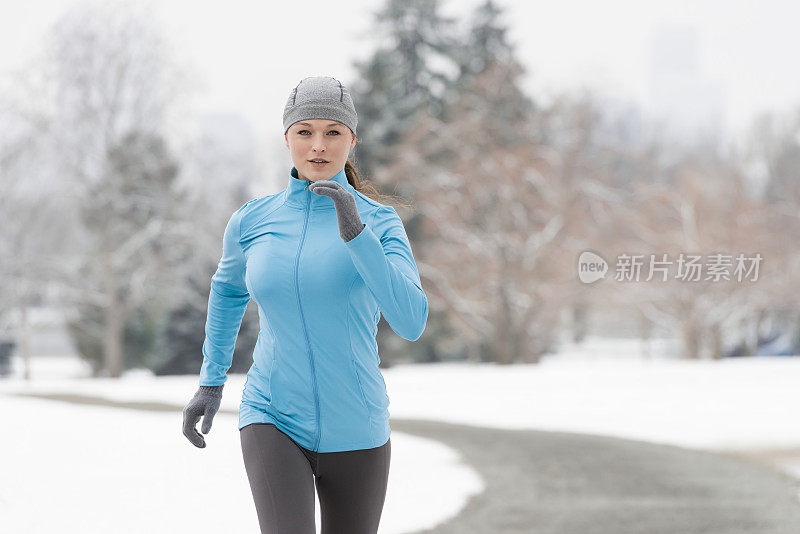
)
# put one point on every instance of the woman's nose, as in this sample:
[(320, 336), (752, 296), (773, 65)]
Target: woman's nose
[(318, 141)]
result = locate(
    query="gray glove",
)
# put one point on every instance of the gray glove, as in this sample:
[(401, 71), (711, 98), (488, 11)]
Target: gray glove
[(204, 403), (350, 224)]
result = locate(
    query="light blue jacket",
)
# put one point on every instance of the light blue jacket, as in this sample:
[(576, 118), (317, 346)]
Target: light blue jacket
[(315, 368)]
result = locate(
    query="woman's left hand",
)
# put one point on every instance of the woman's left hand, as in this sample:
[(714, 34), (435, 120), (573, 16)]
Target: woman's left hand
[(350, 224)]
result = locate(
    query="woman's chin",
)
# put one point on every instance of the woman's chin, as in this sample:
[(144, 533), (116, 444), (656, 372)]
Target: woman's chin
[(318, 174)]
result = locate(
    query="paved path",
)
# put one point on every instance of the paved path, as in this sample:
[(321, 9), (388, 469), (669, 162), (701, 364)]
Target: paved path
[(541, 482), (563, 483)]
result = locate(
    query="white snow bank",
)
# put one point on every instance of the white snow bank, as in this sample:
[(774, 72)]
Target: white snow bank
[(92, 469)]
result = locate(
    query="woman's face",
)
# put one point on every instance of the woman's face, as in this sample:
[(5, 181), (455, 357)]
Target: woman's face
[(319, 139)]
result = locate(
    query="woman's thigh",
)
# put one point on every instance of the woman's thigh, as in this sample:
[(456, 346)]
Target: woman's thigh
[(352, 489), (281, 480)]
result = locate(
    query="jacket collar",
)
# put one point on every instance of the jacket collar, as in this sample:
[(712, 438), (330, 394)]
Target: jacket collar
[(297, 192)]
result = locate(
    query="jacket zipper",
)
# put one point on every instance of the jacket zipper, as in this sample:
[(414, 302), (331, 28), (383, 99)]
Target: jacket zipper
[(303, 320)]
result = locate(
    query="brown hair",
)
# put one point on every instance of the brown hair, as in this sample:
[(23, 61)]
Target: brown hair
[(367, 188)]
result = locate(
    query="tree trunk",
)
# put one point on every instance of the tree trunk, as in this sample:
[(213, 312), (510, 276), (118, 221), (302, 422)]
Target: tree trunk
[(716, 342), (114, 323), (691, 340), (25, 341), (753, 333), (504, 330), (113, 342), (579, 321)]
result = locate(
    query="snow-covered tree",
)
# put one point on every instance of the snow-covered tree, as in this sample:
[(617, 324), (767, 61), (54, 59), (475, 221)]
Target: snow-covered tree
[(113, 88), (404, 78), (36, 227), (491, 221), (136, 223)]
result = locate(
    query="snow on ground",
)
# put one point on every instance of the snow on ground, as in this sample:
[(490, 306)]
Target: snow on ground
[(606, 389), (602, 387), (97, 469), (737, 403)]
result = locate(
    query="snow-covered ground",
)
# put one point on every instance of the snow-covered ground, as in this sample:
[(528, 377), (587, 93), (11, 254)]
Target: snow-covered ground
[(91, 469), (96, 469), (93, 465)]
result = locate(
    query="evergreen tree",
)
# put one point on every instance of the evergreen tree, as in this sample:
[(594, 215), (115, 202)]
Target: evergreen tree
[(182, 349), (488, 81), (489, 234), (404, 78), (138, 244)]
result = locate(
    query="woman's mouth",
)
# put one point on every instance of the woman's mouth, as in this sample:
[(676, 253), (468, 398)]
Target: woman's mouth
[(318, 162)]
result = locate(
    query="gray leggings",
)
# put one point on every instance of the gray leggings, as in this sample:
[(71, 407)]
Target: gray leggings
[(351, 484)]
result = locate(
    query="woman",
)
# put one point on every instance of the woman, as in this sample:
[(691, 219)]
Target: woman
[(323, 261)]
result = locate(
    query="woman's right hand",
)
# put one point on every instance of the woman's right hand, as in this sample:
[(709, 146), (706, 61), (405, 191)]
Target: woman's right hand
[(205, 403)]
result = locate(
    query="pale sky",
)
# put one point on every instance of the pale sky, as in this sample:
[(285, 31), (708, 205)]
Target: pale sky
[(250, 54)]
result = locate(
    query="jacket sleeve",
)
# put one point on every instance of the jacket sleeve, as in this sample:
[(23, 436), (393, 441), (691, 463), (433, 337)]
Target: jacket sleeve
[(382, 255), (227, 302)]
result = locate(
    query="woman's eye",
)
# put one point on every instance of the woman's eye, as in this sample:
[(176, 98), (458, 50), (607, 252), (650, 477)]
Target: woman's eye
[(332, 131)]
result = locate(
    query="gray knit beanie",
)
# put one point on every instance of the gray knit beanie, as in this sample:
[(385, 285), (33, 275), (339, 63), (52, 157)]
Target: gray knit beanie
[(320, 97)]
